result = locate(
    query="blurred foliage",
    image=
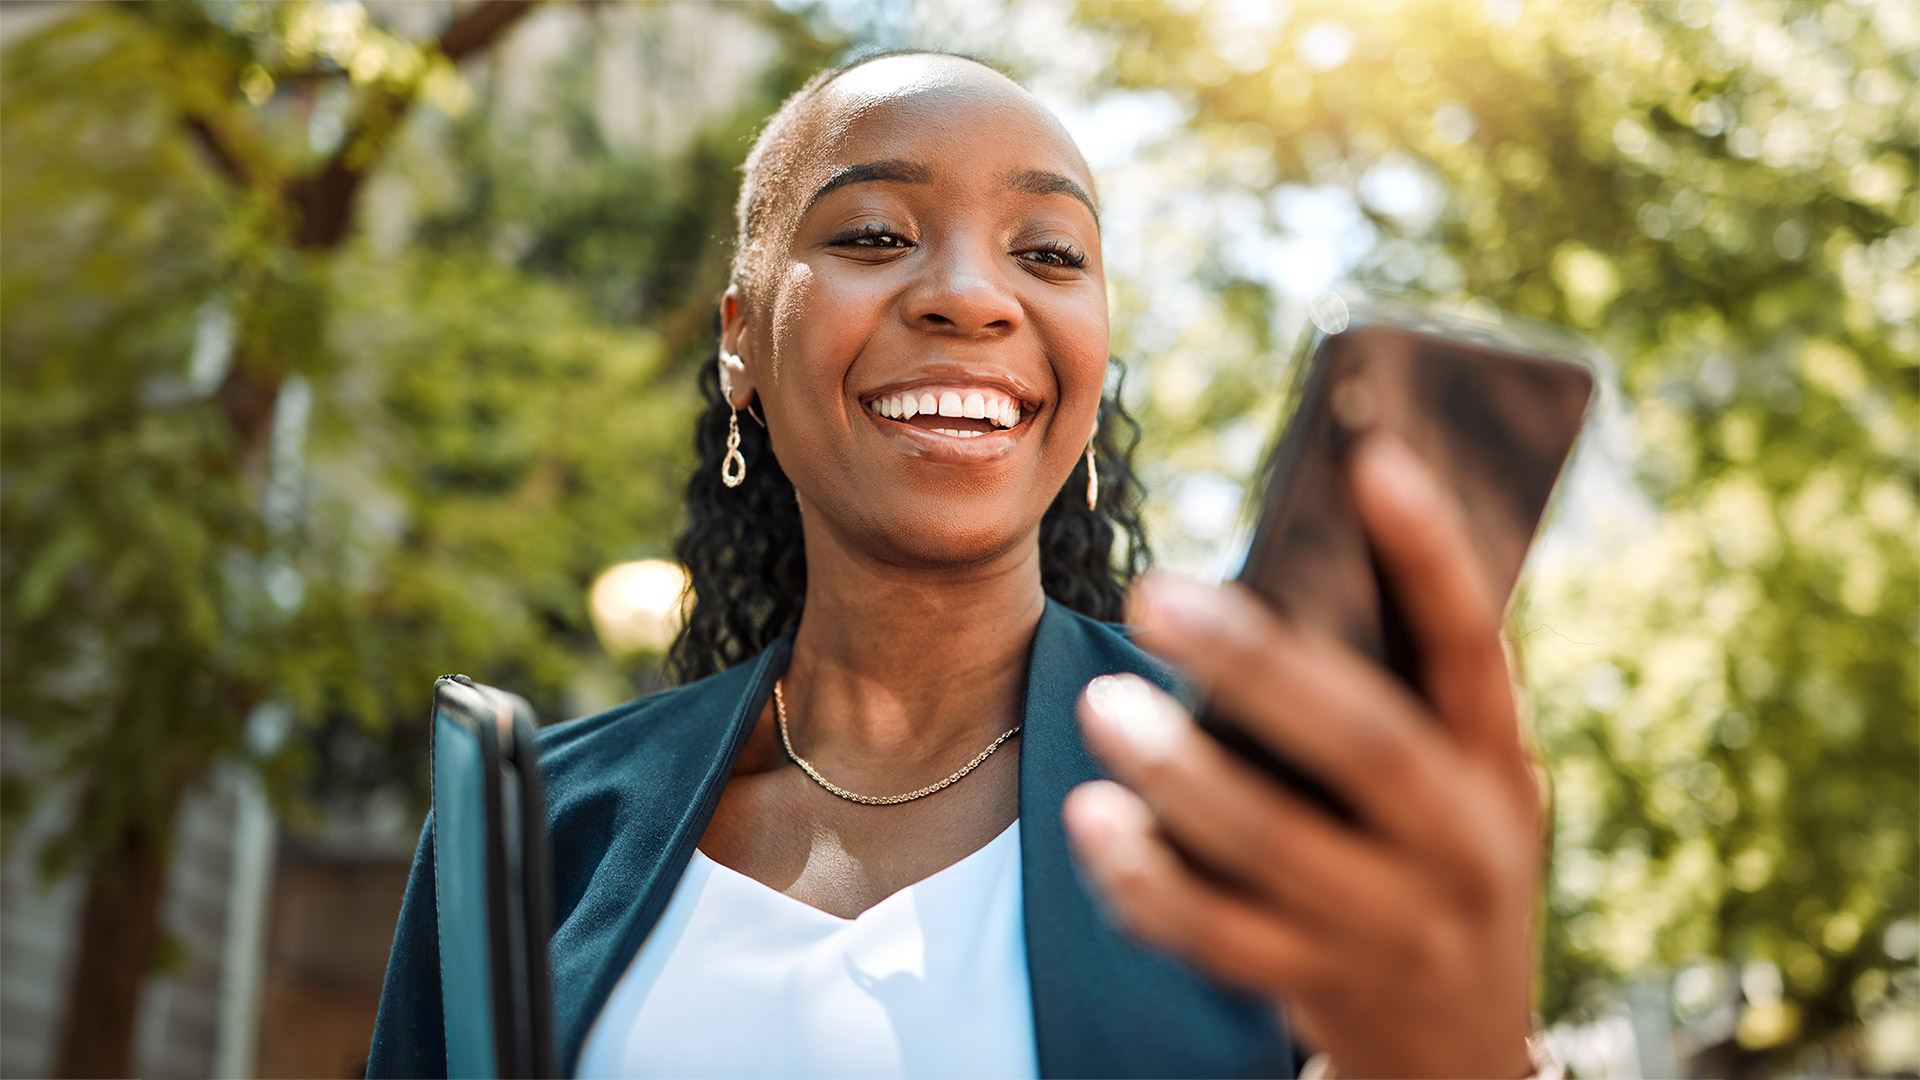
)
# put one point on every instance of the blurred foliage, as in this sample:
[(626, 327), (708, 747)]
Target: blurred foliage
[(128, 531), (1724, 196), (271, 463), (246, 463)]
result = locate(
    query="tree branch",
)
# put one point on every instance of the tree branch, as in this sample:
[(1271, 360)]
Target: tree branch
[(324, 199), (215, 145), (191, 29), (480, 26)]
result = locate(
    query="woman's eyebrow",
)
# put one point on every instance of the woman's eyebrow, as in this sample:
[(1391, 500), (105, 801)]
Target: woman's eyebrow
[(903, 172), (1042, 182)]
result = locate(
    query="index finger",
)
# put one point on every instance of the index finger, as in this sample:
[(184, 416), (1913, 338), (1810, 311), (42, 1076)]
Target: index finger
[(1308, 697), (1420, 533)]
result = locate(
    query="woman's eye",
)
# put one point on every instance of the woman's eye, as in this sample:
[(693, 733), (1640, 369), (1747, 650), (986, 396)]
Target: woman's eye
[(873, 238), (1062, 256)]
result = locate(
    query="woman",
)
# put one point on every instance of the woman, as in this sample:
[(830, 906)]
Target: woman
[(843, 847)]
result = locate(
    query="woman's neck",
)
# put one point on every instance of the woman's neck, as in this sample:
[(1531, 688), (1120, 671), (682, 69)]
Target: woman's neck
[(894, 664)]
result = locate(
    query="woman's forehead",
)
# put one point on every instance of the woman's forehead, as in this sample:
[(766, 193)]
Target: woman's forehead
[(898, 76), (931, 100)]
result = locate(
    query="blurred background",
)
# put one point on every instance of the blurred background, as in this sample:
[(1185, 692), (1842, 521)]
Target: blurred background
[(348, 344)]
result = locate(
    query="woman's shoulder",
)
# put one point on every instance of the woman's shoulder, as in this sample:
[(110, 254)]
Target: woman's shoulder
[(1110, 646), (658, 727), (1110, 635)]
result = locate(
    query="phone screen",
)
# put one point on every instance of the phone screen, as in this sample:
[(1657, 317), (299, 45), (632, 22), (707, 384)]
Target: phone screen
[(1496, 424), (1495, 427)]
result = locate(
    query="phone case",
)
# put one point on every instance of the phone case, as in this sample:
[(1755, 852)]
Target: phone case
[(1494, 409), (493, 883)]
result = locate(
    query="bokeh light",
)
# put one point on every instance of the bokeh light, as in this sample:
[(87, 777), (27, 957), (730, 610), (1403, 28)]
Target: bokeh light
[(638, 605)]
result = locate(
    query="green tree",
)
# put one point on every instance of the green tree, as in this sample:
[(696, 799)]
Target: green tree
[(252, 455)]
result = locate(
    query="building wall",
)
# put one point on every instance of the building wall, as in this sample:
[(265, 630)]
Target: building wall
[(36, 944), (179, 1027), (179, 1020), (329, 932)]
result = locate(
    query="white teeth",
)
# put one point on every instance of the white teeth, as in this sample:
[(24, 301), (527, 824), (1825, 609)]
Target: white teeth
[(993, 406), (958, 434)]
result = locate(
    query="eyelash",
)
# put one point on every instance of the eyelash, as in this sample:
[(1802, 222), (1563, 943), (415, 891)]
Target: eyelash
[(1069, 257), (859, 237)]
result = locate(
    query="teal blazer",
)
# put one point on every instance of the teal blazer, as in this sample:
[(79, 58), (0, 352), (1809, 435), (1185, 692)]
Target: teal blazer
[(630, 792)]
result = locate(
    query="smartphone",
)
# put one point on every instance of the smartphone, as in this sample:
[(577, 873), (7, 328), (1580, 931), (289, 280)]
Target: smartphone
[(1493, 410), (493, 883)]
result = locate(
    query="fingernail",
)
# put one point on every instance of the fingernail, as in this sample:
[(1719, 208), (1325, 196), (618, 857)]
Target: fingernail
[(1396, 469), (1102, 820), (1150, 723), (1164, 601)]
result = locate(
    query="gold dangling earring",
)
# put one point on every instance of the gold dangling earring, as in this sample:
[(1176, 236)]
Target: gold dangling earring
[(1093, 477), (733, 467)]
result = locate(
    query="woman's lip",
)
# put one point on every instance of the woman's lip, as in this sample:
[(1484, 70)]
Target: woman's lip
[(947, 449)]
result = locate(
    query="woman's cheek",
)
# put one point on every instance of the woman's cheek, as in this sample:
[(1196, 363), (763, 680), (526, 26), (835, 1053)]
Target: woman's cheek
[(825, 319), (795, 294), (815, 332), (1085, 340)]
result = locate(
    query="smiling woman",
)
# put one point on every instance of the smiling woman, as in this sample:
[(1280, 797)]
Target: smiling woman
[(743, 546), (846, 845), (947, 247)]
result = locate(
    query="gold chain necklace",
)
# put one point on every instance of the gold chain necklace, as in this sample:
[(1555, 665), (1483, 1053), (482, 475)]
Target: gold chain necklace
[(780, 714)]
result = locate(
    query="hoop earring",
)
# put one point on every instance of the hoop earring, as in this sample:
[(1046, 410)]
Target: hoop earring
[(733, 467), (1093, 480)]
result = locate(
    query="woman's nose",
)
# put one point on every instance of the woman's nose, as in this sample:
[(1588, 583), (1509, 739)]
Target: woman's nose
[(962, 292)]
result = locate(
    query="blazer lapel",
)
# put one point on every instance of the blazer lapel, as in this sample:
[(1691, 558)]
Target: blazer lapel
[(651, 820), (1104, 1005)]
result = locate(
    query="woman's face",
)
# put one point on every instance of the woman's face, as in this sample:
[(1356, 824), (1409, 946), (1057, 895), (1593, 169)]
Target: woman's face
[(933, 252)]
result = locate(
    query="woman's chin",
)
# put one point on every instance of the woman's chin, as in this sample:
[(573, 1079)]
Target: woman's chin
[(959, 534)]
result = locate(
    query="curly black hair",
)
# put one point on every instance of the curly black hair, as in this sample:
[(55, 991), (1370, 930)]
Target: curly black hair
[(742, 547), (747, 563)]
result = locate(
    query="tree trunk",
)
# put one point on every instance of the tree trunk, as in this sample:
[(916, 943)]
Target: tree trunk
[(119, 932)]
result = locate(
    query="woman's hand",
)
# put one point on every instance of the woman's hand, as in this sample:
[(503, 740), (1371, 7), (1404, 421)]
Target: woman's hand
[(1400, 946)]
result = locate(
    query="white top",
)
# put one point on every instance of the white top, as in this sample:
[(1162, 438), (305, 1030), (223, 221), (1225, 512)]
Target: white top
[(738, 979)]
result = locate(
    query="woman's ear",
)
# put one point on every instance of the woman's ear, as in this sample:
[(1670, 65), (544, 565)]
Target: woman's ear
[(736, 375)]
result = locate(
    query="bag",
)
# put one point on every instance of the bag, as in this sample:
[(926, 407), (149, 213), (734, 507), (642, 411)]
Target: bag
[(493, 883)]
